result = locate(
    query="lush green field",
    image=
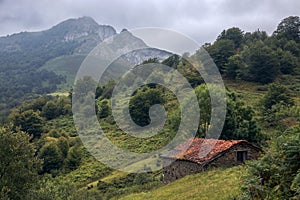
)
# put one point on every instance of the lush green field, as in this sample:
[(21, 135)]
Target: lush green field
[(212, 184)]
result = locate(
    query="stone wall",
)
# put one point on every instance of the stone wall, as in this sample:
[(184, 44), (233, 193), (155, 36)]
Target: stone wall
[(178, 169), (229, 158)]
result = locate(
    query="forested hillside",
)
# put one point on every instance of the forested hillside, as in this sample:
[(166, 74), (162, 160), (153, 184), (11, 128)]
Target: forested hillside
[(42, 156), (22, 55)]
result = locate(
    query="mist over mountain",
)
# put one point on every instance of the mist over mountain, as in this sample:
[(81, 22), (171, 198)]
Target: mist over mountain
[(35, 63)]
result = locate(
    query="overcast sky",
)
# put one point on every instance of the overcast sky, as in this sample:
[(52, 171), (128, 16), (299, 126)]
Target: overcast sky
[(202, 20)]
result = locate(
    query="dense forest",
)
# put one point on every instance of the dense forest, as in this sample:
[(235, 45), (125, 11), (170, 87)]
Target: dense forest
[(42, 156)]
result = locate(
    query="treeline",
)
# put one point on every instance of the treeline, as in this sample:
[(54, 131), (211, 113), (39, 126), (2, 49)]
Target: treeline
[(40, 146), (256, 56)]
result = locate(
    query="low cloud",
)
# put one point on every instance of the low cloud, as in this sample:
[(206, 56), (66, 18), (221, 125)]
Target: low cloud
[(202, 20)]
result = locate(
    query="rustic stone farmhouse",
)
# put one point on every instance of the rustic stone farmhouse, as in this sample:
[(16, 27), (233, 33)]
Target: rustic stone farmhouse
[(196, 158)]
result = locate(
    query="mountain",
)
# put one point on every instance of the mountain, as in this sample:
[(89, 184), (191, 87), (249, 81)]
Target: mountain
[(36, 63), (81, 31)]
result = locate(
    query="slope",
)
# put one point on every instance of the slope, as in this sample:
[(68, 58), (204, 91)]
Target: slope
[(212, 184)]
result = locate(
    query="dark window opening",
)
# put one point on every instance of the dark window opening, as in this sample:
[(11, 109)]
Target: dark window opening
[(241, 156)]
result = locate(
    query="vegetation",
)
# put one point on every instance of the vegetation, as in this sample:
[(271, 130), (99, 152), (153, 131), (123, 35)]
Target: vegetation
[(256, 56), (19, 165), (213, 184), (276, 174), (42, 156)]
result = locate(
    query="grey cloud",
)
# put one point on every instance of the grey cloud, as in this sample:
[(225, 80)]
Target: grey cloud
[(202, 20)]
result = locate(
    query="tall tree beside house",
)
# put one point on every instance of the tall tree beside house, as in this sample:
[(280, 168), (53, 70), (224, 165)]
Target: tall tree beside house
[(239, 122)]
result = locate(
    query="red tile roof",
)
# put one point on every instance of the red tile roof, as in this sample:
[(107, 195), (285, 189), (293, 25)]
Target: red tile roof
[(201, 150)]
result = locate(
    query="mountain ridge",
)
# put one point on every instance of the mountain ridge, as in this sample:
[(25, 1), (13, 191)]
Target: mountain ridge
[(25, 71)]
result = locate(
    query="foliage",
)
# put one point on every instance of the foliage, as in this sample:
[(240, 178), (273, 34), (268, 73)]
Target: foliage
[(103, 108), (263, 63), (74, 157), (277, 94), (232, 67), (57, 107), (239, 122), (276, 174), (50, 189), (29, 121), (234, 34), (220, 51), (141, 102), (74, 174), (19, 165), (52, 156), (289, 28), (256, 56), (128, 184)]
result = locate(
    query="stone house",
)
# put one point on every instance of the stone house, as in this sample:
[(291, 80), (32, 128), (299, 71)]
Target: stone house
[(198, 154)]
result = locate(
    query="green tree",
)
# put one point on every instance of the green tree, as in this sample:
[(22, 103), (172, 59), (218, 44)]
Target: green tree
[(232, 68), (278, 108), (18, 164), (141, 102), (255, 36), (52, 156), (292, 47), (172, 61), (289, 29), (220, 51), (277, 94), (234, 34), (83, 88), (239, 122), (63, 145), (107, 89), (103, 108), (74, 157), (262, 63), (50, 110), (203, 97), (288, 62), (29, 121)]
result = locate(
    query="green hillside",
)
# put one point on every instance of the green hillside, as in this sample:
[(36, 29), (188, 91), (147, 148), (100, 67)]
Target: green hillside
[(43, 156), (66, 66), (215, 184)]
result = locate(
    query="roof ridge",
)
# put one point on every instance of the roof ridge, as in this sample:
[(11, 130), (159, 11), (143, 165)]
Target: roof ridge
[(192, 148)]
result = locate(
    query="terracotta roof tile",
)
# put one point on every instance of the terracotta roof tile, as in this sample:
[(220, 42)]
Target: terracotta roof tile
[(202, 150)]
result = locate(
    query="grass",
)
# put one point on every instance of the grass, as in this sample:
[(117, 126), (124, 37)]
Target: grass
[(65, 94), (249, 93), (114, 175), (213, 184), (66, 66), (88, 173)]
